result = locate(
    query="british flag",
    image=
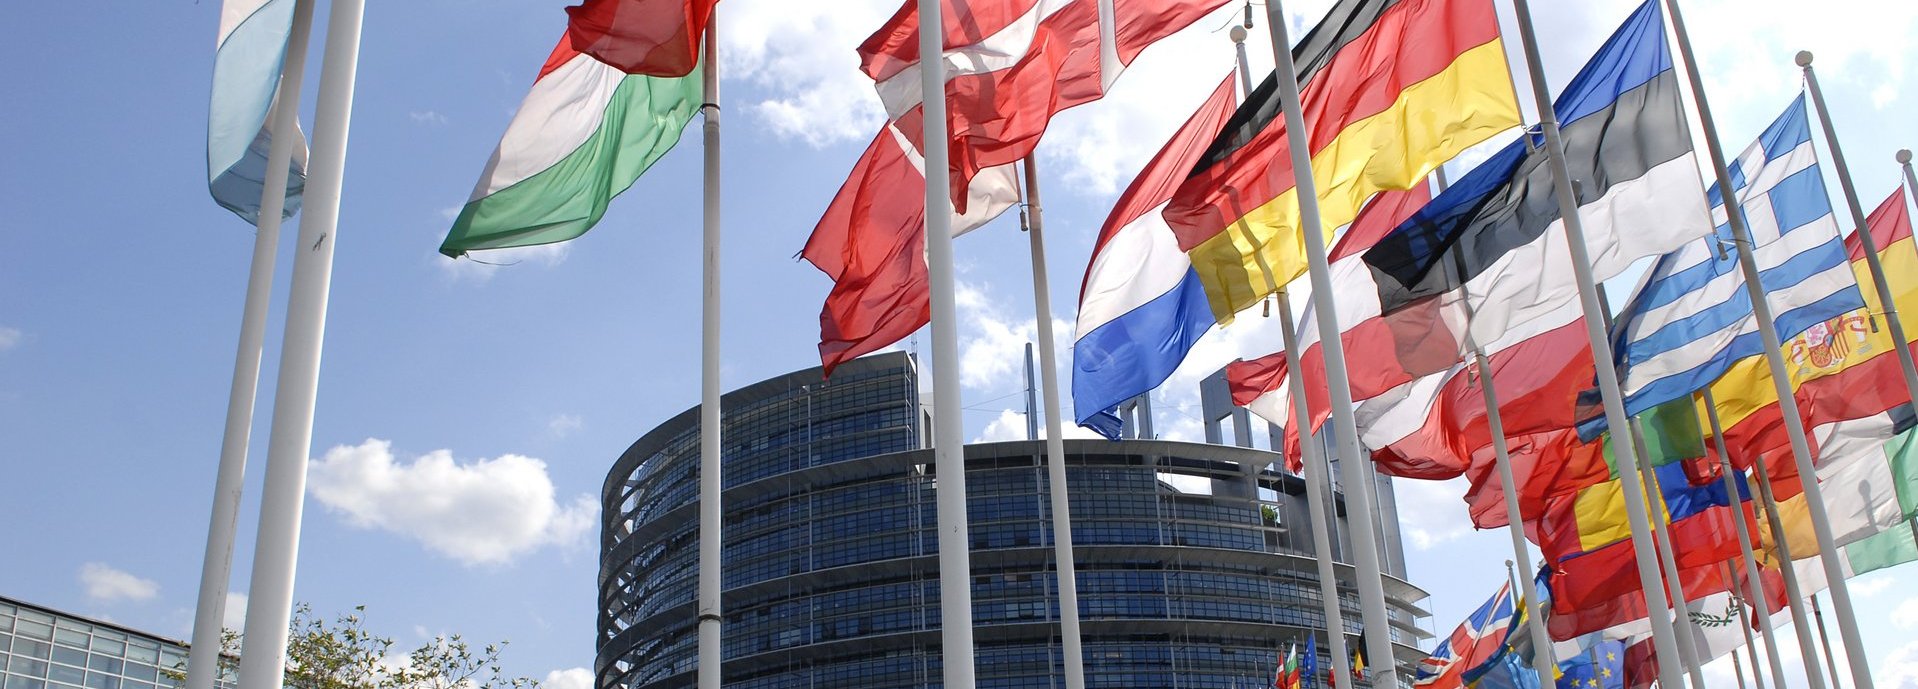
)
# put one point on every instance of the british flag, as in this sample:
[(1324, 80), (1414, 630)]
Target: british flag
[(1472, 644)]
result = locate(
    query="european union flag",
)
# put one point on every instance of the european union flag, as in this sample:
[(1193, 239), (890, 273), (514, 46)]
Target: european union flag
[(1602, 666)]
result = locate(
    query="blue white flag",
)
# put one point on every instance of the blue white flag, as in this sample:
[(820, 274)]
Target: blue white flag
[(246, 75), (1691, 318), (1478, 640)]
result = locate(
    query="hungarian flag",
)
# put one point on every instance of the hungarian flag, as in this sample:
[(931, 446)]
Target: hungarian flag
[(585, 133), (658, 38), (1390, 88)]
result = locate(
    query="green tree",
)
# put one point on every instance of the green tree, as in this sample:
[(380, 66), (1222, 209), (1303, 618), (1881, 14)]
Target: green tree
[(342, 654)]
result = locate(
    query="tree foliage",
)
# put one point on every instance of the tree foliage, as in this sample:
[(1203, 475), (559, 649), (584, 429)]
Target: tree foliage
[(342, 654)]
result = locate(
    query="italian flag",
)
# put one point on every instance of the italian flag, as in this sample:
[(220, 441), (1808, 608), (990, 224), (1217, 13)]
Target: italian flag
[(585, 133), (1288, 677)]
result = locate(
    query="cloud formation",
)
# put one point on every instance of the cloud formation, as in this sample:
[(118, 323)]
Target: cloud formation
[(9, 337), (484, 512), (105, 584), (569, 678)]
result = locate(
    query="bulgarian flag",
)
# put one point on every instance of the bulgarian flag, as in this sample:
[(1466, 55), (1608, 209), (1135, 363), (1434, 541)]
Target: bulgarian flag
[(1288, 676), (584, 134)]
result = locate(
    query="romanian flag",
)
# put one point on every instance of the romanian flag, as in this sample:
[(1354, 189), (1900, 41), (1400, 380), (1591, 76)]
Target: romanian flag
[(1391, 89)]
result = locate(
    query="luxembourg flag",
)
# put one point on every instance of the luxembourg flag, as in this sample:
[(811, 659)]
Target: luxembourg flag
[(1141, 307), (246, 73)]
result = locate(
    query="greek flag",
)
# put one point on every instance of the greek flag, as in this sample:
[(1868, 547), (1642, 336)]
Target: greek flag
[(1692, 317)]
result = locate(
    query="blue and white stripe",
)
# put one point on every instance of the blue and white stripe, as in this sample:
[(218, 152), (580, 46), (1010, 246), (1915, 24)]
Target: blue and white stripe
[(1692, 316), (1143, 310), (246, 73)]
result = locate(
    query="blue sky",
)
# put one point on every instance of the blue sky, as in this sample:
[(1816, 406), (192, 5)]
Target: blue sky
[(467, 414)]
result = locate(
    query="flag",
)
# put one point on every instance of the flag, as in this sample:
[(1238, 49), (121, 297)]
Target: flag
[(1601, 666), (246, 77), (1870, 482), (1507, 670), (1287, 676), (1490, 255), (1692, 317), (1358, 658), (1476, 641), (1011, 65), (585, 133), (1839, 368), (1390, 89), (871, 241), (658, 38), (1141, 308), (1309, 665), (1557, 463), (1888, 548)]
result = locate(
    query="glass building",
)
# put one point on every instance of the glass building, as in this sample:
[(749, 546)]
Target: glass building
[(42, 648), (1195, 561)]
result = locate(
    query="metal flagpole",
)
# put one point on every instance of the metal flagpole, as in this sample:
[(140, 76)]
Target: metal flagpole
[(1067, 568), (290, 440), (711, 423), (1807, 648), (1781, 376), (216, 568), (1357, 467), (1032, 403), (948, 431), (1859, 223), (1911, 184), (1651, 585), (1542, 660), (1674, 583), (1753, 584), (1738, 670), (1738, 611), (1824, 641), (1317, 483)]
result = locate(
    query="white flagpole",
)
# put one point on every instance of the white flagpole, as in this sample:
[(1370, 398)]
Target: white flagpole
[(1860, 225), (1801, 625), (276, 552), (1824, 641), (1651, 585), (1356, 466), (1317, 472), (1067, 568), (1661, 534), (948, 431), (1829, 554), (216, 568), (1754, 585), (1737, 669), (711, 423)]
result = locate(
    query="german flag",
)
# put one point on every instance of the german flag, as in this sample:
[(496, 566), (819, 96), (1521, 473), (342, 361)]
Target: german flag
[(1391, 89)]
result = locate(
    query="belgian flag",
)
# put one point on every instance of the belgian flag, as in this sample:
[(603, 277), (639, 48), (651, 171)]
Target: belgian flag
[(1391, 89)]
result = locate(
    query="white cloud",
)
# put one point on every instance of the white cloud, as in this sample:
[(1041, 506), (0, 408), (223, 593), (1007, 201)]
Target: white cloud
[(1432, 513), (1905, 616), (1899, 669), (480, 266), (234, 615), (9, 337), (800, 54), (993, 348), (1870, 586), (1011, 425), (563, 425), (426, 117), (569, 678), (488, 511), (106, 584)]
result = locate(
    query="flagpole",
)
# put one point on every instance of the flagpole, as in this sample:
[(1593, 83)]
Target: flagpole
[(1674, 583), (711, 472), (1356, 466), (1781, 376), (1542, 660), (216, 568), (1824, 641), (1651, 585), (1861, 225), (290, 440), (1317, 471), (1738, 611), (1801, 626), (1067, 567), (1737, 669), (1753, 583), (948, 430)]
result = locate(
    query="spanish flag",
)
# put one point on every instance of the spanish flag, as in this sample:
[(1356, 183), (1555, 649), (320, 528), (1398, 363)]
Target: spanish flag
[(1391, 89)]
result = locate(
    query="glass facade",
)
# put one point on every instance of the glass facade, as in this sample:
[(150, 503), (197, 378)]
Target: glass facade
[(1184, 578), (42, 648)]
